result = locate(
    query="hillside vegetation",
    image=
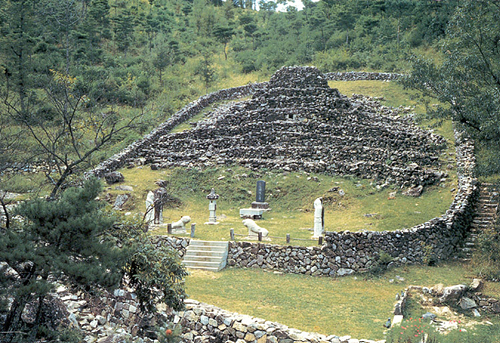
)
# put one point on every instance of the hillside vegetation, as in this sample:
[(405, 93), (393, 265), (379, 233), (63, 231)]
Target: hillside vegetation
[(95, 65)]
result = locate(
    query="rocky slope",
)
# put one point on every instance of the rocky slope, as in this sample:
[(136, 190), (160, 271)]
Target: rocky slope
[(298, 122)]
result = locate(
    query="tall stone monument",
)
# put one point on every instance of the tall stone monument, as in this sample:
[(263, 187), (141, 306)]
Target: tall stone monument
[(160, 196), (319, 218), (150, 210), (212, 207), (259, 206), (260, 197)]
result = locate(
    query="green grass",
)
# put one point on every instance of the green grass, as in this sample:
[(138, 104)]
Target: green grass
[(352, 305), (31, 183), (290, 196), (394, 95)]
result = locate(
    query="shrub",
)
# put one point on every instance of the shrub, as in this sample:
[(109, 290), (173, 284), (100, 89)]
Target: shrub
[(486, 258), (381, 262)]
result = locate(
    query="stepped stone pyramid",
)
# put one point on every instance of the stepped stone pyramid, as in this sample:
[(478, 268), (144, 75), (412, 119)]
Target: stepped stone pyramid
[(206, 255), (299, 123)]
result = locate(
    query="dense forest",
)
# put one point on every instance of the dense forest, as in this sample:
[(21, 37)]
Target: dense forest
[(107, 71)]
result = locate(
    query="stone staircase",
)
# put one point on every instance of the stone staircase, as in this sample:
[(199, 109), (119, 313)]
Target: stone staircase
[(206, 255), (486, 213)]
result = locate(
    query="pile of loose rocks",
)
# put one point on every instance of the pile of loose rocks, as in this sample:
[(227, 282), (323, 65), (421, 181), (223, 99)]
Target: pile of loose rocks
[(297, 122)]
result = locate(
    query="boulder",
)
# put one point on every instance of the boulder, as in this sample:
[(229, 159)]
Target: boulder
[(452, 293), (467, 303), (414, 191), (121, 199), (114, 177)]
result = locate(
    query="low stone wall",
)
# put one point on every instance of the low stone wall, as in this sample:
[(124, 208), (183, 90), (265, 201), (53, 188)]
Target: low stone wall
[(187, 112), (360, 75), (348, 252), (206, 323), (177, 243)]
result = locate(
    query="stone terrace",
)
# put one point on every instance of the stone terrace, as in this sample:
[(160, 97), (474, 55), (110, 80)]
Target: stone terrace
[(297, 122)]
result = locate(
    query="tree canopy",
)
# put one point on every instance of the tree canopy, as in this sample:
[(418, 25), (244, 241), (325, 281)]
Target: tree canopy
[(466, 83)]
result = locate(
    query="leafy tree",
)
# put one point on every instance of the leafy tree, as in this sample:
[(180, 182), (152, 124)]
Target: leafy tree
[(467, 82), (155, 273), (205, 68), (206, 71), (224, 35), (61, 137), (123, 28), (166, 55)]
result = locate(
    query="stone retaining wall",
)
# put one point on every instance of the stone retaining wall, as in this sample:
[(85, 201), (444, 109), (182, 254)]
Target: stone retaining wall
[(187, 112), (360, 75), (178, 243), (206, 323), (348, 252)]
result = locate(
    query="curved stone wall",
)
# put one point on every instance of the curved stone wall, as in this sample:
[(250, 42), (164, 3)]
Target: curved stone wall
[(344, 252), (187, 112), (348, 252)]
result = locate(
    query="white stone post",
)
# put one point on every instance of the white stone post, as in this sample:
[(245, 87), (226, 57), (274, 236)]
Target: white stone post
[(319, 219)]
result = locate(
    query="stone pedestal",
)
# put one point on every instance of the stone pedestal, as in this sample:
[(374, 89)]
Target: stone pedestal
[(260, 205), (251, 213)]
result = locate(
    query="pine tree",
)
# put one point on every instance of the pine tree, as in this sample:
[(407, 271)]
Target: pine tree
[(73, 240), (63, 239)]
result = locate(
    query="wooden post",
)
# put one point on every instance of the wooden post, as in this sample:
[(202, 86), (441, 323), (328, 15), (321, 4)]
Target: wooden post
[(320, 240), (288, 238), (231, 232), (169, 228), (193, 228), (260, 236)]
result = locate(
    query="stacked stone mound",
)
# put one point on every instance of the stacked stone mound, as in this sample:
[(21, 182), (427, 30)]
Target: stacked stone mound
[(298, 123)]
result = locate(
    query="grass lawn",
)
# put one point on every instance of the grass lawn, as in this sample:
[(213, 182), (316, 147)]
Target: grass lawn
[(291, 197), (353, 305)]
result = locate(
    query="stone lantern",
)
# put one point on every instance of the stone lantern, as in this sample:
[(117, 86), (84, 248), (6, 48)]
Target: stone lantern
[(212, 207)]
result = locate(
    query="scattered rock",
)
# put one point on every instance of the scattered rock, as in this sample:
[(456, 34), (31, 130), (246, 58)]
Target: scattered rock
[(124, 188), (121, 199), (414, 191), (467, 303), (476, 285), (114, 177)]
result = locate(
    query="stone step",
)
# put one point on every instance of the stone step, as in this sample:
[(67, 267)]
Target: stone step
[(198, 243), (212, 269), (192, 258), (202, 265), (485, 213), (481, 226), (206, 255)]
